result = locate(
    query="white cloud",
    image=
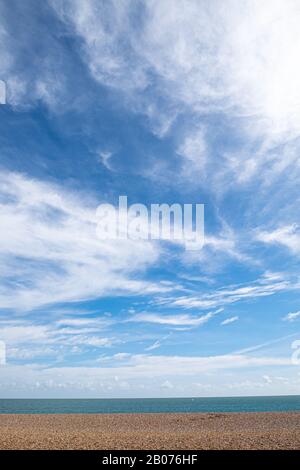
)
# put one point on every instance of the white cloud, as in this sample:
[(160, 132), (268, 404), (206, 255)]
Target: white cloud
[(261, 287), (268, 379), (199, 59), (292, 316), (138, 371), (105, 157), (19, 333), (84, 322), (155, 345), (93, 341), (218, 250), (288, 236), (173, 320), (121, 356), (194, 151), (239, 58), (46, 78), (49, 250), (105, 30), (266, 345), (167, 385), (26, 339), (229, 320), (31, 351)]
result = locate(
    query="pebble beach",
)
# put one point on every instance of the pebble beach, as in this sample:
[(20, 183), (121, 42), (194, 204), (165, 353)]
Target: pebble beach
[(157, 431)]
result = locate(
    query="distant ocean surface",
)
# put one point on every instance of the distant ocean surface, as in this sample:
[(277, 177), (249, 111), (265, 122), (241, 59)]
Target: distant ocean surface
[(151, 405)]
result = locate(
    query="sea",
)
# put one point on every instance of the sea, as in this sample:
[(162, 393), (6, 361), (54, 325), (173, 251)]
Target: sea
[(152, 405)]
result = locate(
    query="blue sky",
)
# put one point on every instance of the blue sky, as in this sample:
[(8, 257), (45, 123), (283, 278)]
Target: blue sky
[(163, 101)]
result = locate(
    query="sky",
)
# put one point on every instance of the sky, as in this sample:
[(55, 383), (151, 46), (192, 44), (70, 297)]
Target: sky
[(164, 101)]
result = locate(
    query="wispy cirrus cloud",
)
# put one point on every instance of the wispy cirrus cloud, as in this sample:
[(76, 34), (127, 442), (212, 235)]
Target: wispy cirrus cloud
[(44, 338), (246, 69), (262, 287), (194, 152), (292, 316), (179, 64), (50, 251), (201, 63), (287, 236), (230, 320), (173, 320)]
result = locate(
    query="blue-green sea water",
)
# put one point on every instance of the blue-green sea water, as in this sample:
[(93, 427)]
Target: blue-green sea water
[(151, 405)]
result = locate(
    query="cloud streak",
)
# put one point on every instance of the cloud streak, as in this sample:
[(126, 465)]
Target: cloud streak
[(49, 241), (292, 316)]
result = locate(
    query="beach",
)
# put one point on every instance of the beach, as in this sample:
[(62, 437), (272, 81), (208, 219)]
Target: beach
[(156, 431)]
